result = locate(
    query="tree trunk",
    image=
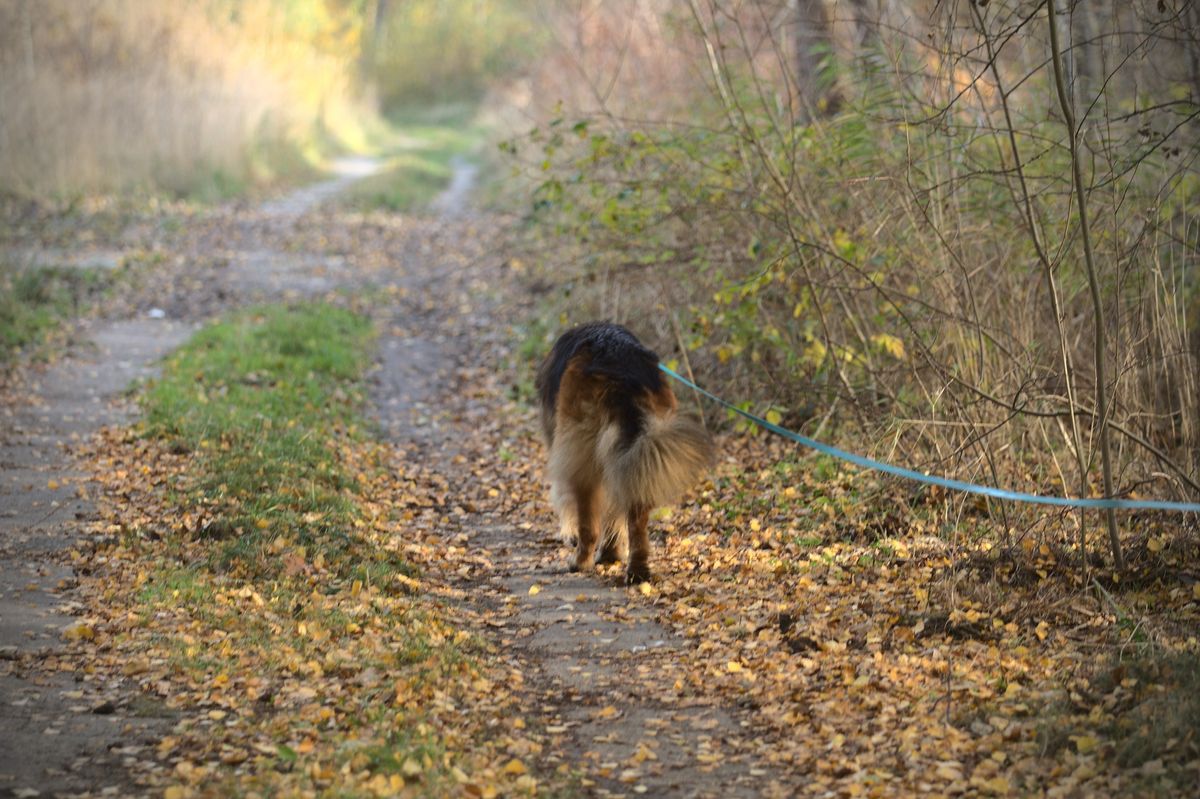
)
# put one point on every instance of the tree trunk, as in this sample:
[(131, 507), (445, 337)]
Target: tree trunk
[(816, 93), (1102, 418)]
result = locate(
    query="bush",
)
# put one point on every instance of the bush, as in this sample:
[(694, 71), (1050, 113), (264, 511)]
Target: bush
[(879, 266)]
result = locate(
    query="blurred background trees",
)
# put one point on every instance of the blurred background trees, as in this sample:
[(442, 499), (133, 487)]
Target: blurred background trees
[(104, 95)]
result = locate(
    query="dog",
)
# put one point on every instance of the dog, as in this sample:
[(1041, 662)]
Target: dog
[(618, 445)]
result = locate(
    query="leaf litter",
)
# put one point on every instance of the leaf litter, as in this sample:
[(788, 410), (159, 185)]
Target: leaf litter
[(866, 639)]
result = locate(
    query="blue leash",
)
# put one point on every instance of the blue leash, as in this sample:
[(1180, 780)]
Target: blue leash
[(945, 482)]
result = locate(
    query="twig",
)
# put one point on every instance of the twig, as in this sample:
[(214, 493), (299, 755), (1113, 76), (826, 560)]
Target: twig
[(688, 366)]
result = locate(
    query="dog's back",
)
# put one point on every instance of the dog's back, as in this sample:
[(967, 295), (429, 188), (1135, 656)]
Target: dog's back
[(618, 446), (602, 367)]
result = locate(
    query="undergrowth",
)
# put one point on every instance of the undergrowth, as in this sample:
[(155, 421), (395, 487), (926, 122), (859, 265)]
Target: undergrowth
[(861, 271)]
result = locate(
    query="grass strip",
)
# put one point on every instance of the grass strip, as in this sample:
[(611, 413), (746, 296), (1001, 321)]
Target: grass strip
[(257, 579), (262, 401)]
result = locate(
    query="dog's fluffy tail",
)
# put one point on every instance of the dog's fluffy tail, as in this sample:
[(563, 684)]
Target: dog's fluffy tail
[(666, 458)]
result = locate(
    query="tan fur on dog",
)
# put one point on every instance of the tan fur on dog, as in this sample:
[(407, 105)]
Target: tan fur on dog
[(618, 445)]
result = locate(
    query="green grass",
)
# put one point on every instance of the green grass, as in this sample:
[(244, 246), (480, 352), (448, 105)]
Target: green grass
[(420, 159), (284, 574), (257, 399), (183, 585), (36, 301)]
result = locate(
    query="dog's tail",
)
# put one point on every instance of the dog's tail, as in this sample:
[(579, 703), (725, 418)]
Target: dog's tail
[(666, 458)]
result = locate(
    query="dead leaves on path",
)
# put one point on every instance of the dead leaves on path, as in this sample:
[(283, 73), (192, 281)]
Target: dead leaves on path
[(865, 659), (873, 656), (311, 682), (866, 665), (863, 654)]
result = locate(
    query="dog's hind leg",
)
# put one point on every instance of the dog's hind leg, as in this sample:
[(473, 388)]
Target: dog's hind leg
[(614, 540), (568, 514), (587, 502), (639, 545)]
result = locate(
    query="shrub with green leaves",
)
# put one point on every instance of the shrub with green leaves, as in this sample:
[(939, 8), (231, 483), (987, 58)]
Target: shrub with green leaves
[(915, 276)]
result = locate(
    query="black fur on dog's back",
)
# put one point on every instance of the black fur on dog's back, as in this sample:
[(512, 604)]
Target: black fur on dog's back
[(613, 353)]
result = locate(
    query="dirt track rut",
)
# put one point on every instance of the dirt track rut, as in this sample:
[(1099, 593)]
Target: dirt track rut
[(62, 733)]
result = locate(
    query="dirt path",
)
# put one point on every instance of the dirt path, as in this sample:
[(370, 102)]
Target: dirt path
[(603, 675), (62, 732)]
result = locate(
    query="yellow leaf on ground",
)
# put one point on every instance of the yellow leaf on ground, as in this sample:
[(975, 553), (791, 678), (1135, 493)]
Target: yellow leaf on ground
[(997, 785), (410, 767), (535, 589), (79, 632), (515, 768), (949, 771)]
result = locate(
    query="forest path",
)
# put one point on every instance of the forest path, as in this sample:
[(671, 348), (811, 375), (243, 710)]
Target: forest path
[(602, 675), (62, 732), (600, 672)]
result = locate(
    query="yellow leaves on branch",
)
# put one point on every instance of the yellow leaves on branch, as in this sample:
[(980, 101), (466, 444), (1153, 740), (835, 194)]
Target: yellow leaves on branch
[(890, 345)]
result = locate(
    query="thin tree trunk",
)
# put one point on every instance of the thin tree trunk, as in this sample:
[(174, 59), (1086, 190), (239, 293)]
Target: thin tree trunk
[(811, 44), (1100, 342), (1191, 18), (1089, 72)]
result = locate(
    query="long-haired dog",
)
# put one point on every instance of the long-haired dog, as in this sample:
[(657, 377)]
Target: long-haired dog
[(618, 446)]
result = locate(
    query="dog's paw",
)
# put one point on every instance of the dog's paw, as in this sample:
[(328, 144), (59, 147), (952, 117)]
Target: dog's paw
[(637, 574)]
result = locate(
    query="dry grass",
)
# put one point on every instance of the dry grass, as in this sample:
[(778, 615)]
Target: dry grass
[(105, 95)]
